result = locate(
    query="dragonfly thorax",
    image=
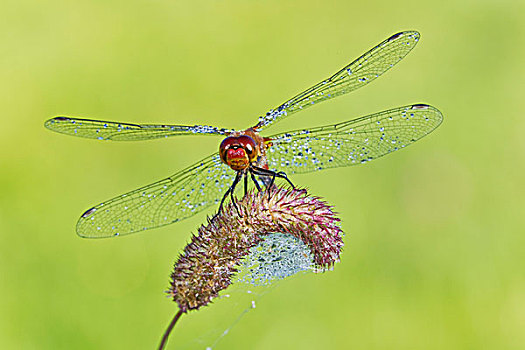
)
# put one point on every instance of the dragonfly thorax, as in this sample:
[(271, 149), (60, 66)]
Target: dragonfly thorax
[(238, 151)]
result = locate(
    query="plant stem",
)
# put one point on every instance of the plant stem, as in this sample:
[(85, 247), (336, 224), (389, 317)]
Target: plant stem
[(168, 330)]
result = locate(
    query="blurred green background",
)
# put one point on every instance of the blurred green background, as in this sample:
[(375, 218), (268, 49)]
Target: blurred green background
[(434, 255)]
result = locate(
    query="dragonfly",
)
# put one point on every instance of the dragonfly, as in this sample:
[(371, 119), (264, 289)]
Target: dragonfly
[(245, 153)]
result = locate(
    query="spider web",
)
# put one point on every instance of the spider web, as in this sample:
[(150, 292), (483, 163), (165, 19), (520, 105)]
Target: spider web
[(278, 257)]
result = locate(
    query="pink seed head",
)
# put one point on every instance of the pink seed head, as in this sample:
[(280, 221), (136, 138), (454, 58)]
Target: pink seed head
[(214, 254)]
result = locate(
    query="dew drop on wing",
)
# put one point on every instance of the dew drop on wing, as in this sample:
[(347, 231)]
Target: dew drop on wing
[(89, 212)]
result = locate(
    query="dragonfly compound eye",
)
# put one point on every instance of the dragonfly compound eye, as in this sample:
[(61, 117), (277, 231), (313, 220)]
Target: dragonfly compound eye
[(225, 145), (249, 146)]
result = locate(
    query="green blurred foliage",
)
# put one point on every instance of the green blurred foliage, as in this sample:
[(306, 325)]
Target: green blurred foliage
[(434, 234)]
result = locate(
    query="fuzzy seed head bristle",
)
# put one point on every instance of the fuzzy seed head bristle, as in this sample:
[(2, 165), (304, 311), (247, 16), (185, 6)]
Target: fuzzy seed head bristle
[(214, 254)]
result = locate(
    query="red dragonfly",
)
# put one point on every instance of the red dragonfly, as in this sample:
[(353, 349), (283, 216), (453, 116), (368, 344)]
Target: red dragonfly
[(246, 153)]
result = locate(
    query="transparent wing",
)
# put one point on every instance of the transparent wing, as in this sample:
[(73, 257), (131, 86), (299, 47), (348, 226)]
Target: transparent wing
[(161, 203), (115, 131), (352, 142), (358, 73)]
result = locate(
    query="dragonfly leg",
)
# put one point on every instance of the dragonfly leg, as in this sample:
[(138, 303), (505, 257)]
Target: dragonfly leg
[(280, 174), (270, 173), (272, 182), (245, 184), (283, 175), (233, 200), (230, 192), (223, 199), (255, 181)]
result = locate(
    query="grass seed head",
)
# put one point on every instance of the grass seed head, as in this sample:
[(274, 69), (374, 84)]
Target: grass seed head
[(214, 254)]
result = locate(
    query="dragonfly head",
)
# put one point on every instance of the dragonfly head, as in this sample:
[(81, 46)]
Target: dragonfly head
[(238, 151)]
